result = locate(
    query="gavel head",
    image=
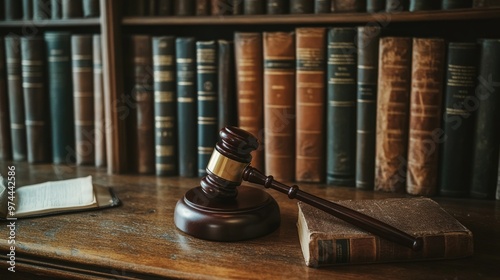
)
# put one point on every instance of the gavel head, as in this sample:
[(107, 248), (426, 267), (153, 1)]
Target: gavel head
[(229, 159)]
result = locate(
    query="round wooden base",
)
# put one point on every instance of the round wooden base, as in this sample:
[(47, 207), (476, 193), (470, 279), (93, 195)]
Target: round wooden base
[(253, 213)]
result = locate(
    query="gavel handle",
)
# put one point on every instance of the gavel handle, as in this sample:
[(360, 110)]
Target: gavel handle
[(351, 216)]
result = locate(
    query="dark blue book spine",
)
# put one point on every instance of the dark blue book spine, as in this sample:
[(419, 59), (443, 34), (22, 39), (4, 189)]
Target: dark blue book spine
[(165, 105), (341, 112), (60, 99), (206, 67), (186, 105)]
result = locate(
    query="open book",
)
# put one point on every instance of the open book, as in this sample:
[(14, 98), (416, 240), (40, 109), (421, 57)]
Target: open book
[(54, 197)]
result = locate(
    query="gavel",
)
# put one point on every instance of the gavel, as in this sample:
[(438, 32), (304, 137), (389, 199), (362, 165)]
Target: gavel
[(221, 209)]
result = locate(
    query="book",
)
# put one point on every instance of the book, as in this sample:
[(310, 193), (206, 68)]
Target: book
[(348, 6), (55, 9), (423, 5), (165, 113), (456, 4), (151, 7), (13, 9), (60, 86), (185, 50), (253, 7), (222, 7), (366, 111), (164, 7), (202, 7), (250, 86), (326, 240), (71, 9), (206, 83), (310, 106), (276, 7), (391, 145), (425, 115), (35, 99), (279, 104), (54, 197), (5, 140), (184, 7), (396, 5), (226, 90), (91, 8), (99, 110), (27, 9), (301, 6), (486, 135), (322, 6), (83, 98), (486, 3), (373, 6), (458, 121), (15, 97), (41, 9), (237, 7), (341, 106)]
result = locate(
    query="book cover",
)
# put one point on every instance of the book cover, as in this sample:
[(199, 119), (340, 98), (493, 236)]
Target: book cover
[(202, 7), (276, 7), (326, 240), (41, 9), (222, 7), (5, 140), (301, 6), (310, 105), (279, 104), (253, 7), (71, 9), (226, 89), (348, 6), (99, 110), (90, 8)]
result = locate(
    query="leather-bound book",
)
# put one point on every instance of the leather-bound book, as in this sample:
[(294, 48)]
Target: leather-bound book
[(224, 7), (202, 7), (368, 43), (322, 6), (253, 7), (184, 7), (206, 66), (83, 98), (486, 133), (35, 99), (150, 7), (225, 86), (142, 119), (27, 9), (41, 9), (164, 7), (55, 9), (394, 80), (99, 116), (301, 6), (71, 9), (186, 106), (279, 104), (423, 5), (250, 85), (13, 9), (341, 110), (310, 96), (348, 6), (456, 4), (60, 87), (425, 116), (396, 5), (5, 140), (373, 6), (15, 97), (91, 8), (326, 240), (276, 7), (164, 101), (237, 7), (458, 122)]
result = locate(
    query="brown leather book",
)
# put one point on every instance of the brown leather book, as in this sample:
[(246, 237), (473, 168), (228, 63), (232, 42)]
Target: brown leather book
[(5, 146), (249, 82), (310, 92), (202, 7), (99, 124), (279, 104), (392, 114), (83, 94), (425, 115), (223, 7), (348, 6)]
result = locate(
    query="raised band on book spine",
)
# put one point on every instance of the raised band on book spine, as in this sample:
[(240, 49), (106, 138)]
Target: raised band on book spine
[(5, 140), (99, 111)]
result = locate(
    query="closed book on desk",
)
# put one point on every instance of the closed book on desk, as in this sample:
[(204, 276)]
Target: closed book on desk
[(326, 240), (5, 141)]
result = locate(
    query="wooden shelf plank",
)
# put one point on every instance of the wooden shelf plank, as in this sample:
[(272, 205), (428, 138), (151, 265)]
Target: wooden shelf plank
[(52, 22), (440, 15)]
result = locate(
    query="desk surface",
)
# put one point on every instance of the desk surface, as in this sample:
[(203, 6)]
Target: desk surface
[(139, 238)]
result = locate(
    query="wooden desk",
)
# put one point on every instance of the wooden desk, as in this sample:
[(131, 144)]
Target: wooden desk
[(139, 239)]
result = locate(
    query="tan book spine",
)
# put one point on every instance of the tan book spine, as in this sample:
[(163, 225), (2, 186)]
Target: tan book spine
[(99, 123), (310, 96), (279, 104), (425, 115), (392, 114), (249, 79)]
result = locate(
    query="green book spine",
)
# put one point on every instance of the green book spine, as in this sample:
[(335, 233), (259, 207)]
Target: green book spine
[(58, 49), (27, 9), (90, 8), (165, 105), (186, 105), (55, 9), (487, 134), (41, 9), (206, 59), (341, 109), (5, 140), (13, 9), (458, 122)]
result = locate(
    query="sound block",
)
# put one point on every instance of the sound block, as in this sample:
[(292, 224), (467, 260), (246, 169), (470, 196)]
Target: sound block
[(253, 213)]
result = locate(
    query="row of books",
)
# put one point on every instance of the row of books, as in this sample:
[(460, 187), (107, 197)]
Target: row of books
[(276, 7), (49, 9), (51, 99)]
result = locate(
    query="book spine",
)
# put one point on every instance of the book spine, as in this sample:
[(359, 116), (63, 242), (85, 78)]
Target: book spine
[(301, 7), (341, 112), (373, 6), (184, 7), (202, 7), (15, 97), (276, 7), (461, 75), (250, 85), (27, 9), (99, 116), (58, 48), (425, 116), (423, 5), (164, 7), (224, 7), (41, 9), (394, 79), (91, 8), (486, 134), (55, 9), (348, 6), (5, 140), (368, 43), (456, 4), (206, 66), (186, 105), (71, 9), (253, 7), (322, 6), (164, 100), (13, 9), (279, 104), (226, 89), (151, 7), (310, 91), (396, 5), (237, 7), (35, 99)]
